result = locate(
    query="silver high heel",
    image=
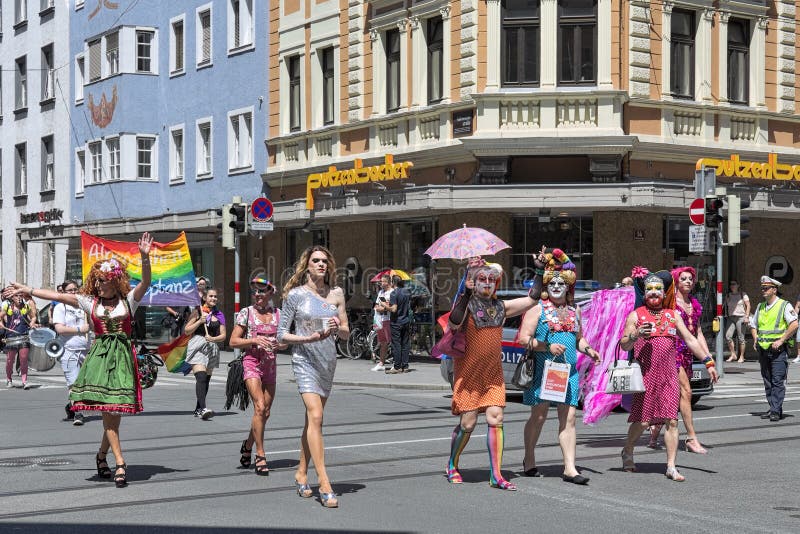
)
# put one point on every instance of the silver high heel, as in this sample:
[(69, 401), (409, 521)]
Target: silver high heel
[(329, 500)]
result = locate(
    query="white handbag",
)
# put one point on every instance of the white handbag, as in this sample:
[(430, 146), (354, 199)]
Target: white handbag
[(624, 376)]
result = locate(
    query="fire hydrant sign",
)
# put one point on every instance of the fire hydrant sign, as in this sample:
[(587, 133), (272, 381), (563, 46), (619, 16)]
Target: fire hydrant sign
[(698, 240)]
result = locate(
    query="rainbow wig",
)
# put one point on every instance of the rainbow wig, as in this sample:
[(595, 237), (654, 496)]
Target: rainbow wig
[(557, 263)]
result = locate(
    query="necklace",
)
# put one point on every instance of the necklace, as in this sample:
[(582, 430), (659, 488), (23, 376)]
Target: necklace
[(561, 318)]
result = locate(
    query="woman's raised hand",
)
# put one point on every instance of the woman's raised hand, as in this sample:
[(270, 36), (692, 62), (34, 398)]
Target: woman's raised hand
[(145, 242), (539, 259), (13, 289)]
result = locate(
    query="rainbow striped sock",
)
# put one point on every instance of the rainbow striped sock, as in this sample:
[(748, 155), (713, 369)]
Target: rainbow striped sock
[(494, 442), (459, 440)]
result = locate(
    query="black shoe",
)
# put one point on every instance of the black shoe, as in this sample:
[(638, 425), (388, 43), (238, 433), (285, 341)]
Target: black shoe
[(774, 417), (533, 472), (78, 421), (121, 479), (577, 479), (70, 413)]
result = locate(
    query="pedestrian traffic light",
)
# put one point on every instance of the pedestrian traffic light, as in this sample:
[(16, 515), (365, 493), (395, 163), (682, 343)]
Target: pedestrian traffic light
[(714, 212), (736, 219), (239, 220), (227, 236)]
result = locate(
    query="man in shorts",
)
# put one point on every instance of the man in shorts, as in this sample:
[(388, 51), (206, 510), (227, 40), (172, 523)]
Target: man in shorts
[(382, 320)]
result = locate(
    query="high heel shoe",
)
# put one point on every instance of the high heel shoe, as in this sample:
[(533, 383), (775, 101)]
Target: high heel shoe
[(673, 474), (627, 461), (453, 476), (692, 445), (303, 490), (103, 471), (329, 499), (262, 469), (121, 479), (245, 460)]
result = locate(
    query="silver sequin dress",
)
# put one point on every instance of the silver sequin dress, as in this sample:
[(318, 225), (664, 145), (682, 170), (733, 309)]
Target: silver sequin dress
[(313, 363)]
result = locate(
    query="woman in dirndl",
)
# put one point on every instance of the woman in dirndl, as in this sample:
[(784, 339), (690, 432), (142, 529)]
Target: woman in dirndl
[(108, 381), (206, 326)]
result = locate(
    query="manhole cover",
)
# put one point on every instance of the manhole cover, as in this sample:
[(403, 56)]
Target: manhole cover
[(32, 461)]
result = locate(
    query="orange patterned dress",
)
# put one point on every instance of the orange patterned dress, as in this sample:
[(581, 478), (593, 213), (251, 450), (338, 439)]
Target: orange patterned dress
[(478, 376)]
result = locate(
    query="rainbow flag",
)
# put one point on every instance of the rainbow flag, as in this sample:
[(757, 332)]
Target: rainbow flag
[(174, 355), (173, 281)]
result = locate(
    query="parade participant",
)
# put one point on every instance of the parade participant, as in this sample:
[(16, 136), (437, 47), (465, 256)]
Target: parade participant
[(478, 383), (206, 326), (650, 331), (737, 307), (690, 311), (108, 381), (18, 317), (552, 329), (315, 305), (773, 327), (382, 320), (69, 322), (256, 332)]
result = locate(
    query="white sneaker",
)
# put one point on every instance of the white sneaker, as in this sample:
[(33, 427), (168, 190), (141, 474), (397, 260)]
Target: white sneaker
[(8, 383), (206, 414), (796, 360), (378, 367)]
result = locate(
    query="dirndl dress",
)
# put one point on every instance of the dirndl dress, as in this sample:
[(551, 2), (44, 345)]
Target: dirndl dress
[(109, 378)]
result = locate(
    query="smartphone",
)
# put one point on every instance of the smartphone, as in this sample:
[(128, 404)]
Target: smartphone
[(382, 299)]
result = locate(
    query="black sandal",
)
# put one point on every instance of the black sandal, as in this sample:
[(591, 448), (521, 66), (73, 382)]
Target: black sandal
[(261, 470), (245, 452), (121, 480), (103, 471)]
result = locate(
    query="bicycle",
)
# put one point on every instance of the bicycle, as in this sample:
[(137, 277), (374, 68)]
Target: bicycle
[(357, 345)]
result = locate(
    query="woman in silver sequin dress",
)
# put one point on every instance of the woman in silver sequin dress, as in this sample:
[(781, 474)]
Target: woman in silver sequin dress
[(316, 307)]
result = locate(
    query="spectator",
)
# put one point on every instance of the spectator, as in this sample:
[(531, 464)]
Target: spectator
[(72, 326), (399, 302), (796, 310), (53, 303), (737, 308), (382, 320), (626, 282)]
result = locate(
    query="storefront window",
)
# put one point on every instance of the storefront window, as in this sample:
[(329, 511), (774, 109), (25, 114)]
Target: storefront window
[(676, 237), (404, 246), (573, 235)]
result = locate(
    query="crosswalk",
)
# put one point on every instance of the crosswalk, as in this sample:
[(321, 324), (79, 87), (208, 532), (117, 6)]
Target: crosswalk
[(750, 390), (165, 380)]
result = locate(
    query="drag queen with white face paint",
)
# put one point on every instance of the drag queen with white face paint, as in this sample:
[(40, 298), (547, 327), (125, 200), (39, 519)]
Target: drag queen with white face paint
[(553, 330)]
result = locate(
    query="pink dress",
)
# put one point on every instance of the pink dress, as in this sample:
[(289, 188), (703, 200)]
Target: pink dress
[(656, 355), (685, 357)]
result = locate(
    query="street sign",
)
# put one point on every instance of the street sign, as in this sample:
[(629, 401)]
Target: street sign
[(697, 211), (698, 240), (261, 209), (262, 226)]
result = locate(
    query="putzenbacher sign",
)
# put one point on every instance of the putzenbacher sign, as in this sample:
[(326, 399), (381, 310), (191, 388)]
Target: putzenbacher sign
[(359, 174), (734, 167)]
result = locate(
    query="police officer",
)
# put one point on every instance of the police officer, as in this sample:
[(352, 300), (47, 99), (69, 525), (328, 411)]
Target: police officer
[(773, 327)]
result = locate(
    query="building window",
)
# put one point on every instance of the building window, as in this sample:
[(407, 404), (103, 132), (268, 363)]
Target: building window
[(204, 147), (240, 141), (80, 171), (112, 53), (144, 51), (392, 70), (20, 170), (176, 51), (577, 42), (48, 164), (294, 93), (46, 4), (738, 61), (435, 59), (21, 73), (48, 74), (112, 148), (240, 24), (144, 158), (682, 54), (95, 69), (96, 152), (204, 38), (328, 85), (80, 78), (574, 235), (20, 11), (520, 42), (176, 155)]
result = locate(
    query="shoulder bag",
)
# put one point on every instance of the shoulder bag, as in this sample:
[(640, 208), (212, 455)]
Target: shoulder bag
[(523, 374), (624, 376)]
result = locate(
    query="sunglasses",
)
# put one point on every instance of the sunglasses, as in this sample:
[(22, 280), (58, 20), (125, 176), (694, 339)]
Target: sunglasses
[(319, 260), (261, 291), (767, 288)]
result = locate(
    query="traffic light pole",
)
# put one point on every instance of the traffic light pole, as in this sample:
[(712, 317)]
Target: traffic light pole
[(720, 319), (236, 267)]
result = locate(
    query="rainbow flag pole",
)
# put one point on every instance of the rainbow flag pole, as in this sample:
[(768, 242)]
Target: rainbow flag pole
[(174, 355)]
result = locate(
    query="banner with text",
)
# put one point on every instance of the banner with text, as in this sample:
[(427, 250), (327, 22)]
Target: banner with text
[(173, 281)]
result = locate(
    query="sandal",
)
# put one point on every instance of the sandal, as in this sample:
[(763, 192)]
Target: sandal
[(693, 445), (121, 479), (103, 471), (245, 460), (328, 500), (303, 489), (503, 484), (453, 476), (673, 474), (627, 461), (261, 470)]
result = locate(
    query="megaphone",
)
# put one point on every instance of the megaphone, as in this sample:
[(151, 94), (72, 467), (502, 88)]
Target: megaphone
[(54, 348)]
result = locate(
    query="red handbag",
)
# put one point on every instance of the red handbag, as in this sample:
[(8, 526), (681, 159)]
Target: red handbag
[(452, 344)]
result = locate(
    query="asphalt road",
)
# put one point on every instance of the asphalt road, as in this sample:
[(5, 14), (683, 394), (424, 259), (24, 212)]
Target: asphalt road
[(386, 453)]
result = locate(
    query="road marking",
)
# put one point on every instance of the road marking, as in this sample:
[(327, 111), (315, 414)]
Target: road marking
[(737, 414)]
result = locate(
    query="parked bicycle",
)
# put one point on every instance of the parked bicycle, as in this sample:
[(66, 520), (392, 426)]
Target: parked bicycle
[(357, 345)]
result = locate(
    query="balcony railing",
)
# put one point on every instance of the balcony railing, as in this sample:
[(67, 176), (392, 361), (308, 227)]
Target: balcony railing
[(323, 146), (743, 129), (387, 135), (687, 123), (430, 128), (518, 114), (578, 112)]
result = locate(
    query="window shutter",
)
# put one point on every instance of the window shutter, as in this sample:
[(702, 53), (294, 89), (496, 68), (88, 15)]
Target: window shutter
[(179, 46), (205, 21), (94, 60)]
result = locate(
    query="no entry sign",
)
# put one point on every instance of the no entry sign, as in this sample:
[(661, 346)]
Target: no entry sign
[(697, 211)]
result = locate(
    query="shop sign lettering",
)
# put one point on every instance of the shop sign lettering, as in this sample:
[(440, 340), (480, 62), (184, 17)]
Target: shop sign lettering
[(359, 174), (736, 168), (41, 216)]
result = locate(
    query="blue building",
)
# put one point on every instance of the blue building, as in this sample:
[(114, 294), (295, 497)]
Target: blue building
[(167, 106)]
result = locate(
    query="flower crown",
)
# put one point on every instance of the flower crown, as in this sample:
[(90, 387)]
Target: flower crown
[(111, 269)]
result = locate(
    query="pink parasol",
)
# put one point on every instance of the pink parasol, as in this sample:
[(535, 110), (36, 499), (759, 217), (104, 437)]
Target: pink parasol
[(391, 272), (466, 243)]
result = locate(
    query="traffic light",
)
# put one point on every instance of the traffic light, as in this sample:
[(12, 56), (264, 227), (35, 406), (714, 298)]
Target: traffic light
[(239, 219), (225, 227), (736, 219), (714, 212)]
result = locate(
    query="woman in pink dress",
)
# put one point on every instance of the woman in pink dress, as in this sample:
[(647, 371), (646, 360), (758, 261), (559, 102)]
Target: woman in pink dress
[(651, 331)]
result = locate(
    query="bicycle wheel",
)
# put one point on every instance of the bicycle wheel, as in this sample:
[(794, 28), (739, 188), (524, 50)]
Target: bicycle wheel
[(341, 348), (356, 344), (372, 344)]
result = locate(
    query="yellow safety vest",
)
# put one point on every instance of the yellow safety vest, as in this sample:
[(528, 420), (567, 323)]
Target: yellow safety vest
[(771, 323)]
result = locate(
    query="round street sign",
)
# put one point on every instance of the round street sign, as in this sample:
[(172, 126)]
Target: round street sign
[(697, 211), (261, 208)]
